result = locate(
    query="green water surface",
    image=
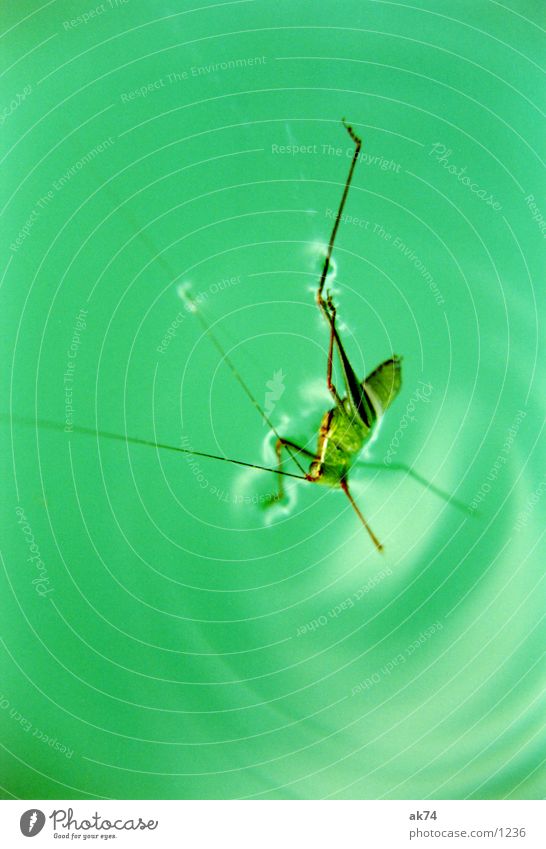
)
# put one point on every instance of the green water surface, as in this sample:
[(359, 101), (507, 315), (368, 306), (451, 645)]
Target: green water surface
[(164, 635)]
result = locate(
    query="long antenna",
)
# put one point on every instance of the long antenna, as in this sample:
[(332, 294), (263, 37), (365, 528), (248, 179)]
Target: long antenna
[(240, 380), (87, 431), (373, 537), (212, 336)]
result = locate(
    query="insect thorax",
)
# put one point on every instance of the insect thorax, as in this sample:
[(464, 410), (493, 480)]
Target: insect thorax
[(341, 438)]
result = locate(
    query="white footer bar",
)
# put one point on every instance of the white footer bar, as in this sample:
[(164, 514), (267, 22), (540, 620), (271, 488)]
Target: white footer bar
[(275, 824)]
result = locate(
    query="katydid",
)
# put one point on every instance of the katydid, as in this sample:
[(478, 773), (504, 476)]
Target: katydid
[(345, 428)]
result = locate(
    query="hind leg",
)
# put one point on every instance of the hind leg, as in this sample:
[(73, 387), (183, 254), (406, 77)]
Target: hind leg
[(329, 311)]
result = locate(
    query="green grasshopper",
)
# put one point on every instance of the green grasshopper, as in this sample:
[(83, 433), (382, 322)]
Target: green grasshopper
[(347, 427), (344, 429)]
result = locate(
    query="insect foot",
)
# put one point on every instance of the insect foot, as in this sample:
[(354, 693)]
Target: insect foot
[(330, 304)]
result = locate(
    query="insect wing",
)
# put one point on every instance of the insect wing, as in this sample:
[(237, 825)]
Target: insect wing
[(383, 384)]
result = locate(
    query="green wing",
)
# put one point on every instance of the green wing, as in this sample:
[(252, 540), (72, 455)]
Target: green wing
[(383, 384)]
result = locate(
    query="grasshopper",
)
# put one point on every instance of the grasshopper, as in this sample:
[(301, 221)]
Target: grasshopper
[(344, 429)]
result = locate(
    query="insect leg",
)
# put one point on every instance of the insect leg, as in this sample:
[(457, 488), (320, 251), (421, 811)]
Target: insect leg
[(331, 317), (345, 488), (357, 396), (288, 444), (358, 143), (402, 467)]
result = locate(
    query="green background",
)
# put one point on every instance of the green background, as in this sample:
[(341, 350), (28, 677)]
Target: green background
[(170, 653)]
